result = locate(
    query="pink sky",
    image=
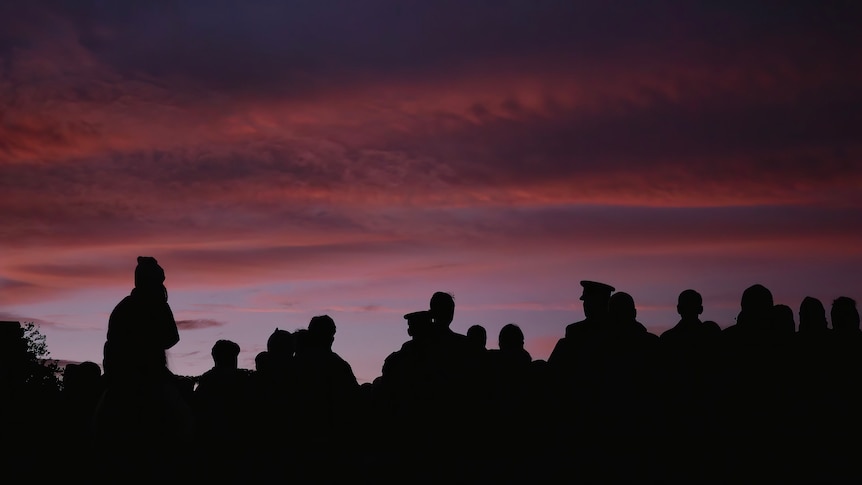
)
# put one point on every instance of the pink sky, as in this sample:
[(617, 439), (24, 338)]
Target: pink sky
[(282, 164)]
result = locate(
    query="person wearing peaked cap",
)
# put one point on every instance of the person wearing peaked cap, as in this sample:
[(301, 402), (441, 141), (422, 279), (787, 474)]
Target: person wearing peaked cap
[(596, 291), (595, 296), (418, 323)]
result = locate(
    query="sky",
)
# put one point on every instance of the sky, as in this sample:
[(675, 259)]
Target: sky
[(283, 160)]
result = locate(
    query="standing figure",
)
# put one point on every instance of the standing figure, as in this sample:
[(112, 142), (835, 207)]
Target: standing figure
[(582, 335), (142, 420), (141, 328)]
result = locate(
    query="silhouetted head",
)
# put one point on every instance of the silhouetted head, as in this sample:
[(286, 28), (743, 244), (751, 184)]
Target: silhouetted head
[(689, 304), (148, 273), (225, 353), (595, 297), (478, 336), (321, 331), (781, 320), (756, 305), (71, 377), (89, 370), (262, 361), (845, 316), (442, 308), (300, 341), (418, 323), (621, 308), (812, 315), (511, 338), (281, 344)]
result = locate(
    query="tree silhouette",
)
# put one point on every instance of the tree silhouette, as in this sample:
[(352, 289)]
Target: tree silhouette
[(30, 389), (40, 370)]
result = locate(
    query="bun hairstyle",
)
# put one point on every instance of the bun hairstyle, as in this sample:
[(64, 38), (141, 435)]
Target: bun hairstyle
[(149, 275)]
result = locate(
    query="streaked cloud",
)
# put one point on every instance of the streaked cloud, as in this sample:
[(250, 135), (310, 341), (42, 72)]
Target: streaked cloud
[(335, 156), (195, 324)]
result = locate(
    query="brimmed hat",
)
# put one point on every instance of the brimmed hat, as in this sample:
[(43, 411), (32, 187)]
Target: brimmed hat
[(595, 289)]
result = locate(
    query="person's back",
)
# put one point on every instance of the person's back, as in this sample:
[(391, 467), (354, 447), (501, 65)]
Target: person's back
[(510, 344), (510, 370), (272, 391), (142, 403), (222, 394), (812, 319), (845, 421), (402, 390), (456, 361), (572, 353), (222, 404), (140, 329), (752, 323), (327, 394), (326, 386), (690, 329), (478, 336)]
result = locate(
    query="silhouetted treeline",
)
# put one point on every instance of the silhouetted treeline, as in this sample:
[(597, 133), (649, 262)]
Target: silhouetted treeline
[(763, 400)]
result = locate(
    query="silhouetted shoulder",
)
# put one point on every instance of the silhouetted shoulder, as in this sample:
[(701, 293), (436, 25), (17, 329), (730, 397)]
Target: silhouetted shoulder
[(711, 327), (580, 328)]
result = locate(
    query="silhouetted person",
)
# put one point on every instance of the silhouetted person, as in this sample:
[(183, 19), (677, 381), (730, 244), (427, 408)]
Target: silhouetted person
[(509, 408), (752, 322), (455, 359), (754, 377), (510, 370), (442, 310), (262, 361), (142, 403), (622, 316), (812, 316), (82, 388), (510, 342), (478, 336), (690, 368), (401, 391), (845, 316), (221, 403), (573, 377), (690, 327), (781, 320), (280, 348), (511, 360), (627, 392), (845, 420), (581, 335), (221, 393), (454, 355), (274, 384), (427, 383), (273, 399), (141, 328), (813, 365), (327, 397), (300, 341)]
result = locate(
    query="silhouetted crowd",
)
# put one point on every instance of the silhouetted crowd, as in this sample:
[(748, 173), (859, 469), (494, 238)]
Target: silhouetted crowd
[(763, 400)]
